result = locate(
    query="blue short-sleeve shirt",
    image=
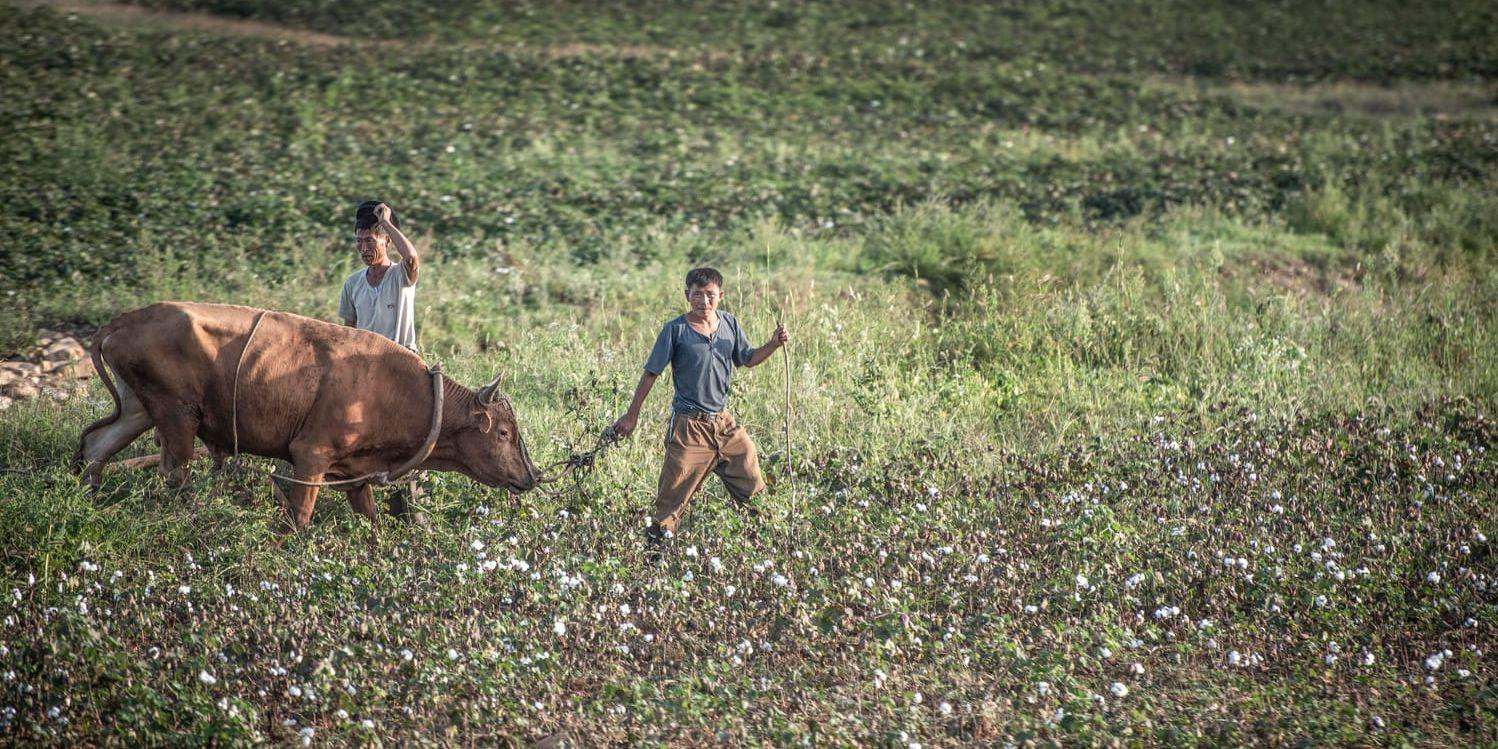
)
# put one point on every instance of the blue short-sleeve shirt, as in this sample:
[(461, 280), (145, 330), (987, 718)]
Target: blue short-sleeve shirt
[(700, 368)]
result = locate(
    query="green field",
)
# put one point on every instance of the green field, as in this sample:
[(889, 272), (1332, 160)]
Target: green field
[(1143, 360)]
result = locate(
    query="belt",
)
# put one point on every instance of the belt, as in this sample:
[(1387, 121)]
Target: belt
[(701, 415)]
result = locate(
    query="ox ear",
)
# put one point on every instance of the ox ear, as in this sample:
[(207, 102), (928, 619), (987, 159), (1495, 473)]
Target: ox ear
[(486, 393)]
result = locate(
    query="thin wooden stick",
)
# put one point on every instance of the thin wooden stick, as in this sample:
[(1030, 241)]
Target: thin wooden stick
[(148, 461), (790, 464)]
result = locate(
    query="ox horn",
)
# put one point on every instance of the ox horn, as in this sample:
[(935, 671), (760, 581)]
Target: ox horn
[(486, 393)]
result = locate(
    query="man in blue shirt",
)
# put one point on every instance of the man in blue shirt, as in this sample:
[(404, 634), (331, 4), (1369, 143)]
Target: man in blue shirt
[(703, 347)]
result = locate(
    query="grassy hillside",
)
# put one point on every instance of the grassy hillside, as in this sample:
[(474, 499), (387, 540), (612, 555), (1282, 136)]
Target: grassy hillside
[(1142, 355)]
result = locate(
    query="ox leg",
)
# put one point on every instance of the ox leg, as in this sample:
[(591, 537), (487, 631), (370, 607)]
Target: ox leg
[(176, 435), (309, 464), (401, 498), (363, 502), (100, 443), (219, 458), (300, 501)]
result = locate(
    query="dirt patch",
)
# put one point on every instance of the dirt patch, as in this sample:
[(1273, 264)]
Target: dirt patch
[(1295, 275), (119, 14), (1435, 99)]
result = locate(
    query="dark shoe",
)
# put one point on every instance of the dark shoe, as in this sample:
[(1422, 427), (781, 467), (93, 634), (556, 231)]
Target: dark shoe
[(655, 544)]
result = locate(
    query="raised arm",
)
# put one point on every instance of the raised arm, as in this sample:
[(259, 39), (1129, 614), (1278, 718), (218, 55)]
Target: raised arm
[(407, 250)]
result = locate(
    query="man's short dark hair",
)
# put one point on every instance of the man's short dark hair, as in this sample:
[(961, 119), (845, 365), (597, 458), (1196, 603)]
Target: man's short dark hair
[(365, 219), (703, 277)]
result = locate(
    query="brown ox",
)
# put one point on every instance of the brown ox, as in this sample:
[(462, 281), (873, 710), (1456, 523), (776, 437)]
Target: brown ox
[(335, 401)]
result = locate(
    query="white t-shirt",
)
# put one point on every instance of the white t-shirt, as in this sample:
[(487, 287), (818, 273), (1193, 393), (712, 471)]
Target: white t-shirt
[(388, 309)]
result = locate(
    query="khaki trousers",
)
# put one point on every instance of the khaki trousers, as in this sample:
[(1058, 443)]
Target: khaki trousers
[(696, 445)]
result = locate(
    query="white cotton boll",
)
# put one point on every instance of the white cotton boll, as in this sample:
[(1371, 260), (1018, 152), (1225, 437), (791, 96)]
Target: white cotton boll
[(780, 581), (692, 552), (1118, 689), (1433, 577), (294, 691), (476, 545), (1134, 581), (729, 590), (559, 627), (1081, 581), (1368, 659), (452, 654), (1433, 661), (715, 564), (1137, 668), (207, 678), (1043, 687), (406, 654), (1235, 658), (1104, 653), (944, 708)]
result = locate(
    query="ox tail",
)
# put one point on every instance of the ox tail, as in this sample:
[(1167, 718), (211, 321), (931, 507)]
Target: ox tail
[(96, 353)]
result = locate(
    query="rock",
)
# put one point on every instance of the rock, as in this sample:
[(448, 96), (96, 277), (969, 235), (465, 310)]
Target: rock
[(81, 370), (7, 377), (561, 740), (5, 402), (64, 350), (22, 389), (21, 368)]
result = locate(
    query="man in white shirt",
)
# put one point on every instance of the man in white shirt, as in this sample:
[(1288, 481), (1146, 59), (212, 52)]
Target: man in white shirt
[(381, 297)]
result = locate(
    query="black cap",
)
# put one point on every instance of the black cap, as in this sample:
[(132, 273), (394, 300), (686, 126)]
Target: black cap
[(364, 216)]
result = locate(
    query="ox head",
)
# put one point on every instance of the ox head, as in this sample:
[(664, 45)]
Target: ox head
[(491, 451)]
